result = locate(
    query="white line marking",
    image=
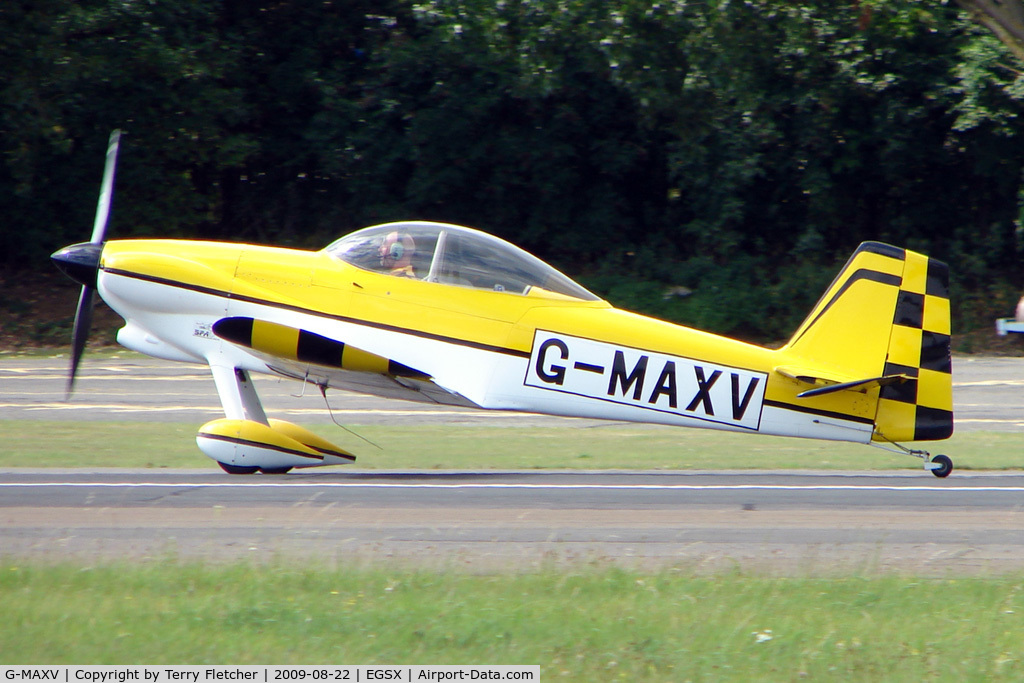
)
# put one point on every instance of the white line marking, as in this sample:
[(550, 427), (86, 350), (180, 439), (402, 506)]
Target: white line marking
[(127, 408), (554, 487), (117, 378)]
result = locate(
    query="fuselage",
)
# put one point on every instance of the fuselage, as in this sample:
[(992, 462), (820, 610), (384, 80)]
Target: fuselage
[(537, 351)]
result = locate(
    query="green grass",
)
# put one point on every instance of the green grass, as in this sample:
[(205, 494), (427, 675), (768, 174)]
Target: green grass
[(157, 444), (587, 625), (583, 623)]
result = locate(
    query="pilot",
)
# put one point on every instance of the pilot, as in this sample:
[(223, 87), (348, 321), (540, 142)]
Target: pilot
[(396, 252)]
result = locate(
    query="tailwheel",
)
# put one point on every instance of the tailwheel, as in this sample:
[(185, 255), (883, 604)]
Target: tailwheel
[(945, 466), (236, 469), (275, 470), (939, 465)]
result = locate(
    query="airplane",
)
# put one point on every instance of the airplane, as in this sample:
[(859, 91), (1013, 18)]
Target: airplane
[(451, 315), (1015, 324)]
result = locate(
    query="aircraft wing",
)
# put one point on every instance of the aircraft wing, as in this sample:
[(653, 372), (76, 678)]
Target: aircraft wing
[(307, 356)]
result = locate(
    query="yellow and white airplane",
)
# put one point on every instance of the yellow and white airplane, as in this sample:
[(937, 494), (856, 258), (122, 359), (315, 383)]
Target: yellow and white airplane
[(442, 313)]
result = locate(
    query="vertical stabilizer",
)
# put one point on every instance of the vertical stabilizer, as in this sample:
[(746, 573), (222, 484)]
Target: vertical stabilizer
[(882, 330), (849, 328)]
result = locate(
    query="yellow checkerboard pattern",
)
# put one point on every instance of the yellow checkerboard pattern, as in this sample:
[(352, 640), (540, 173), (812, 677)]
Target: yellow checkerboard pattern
[(920, 409)]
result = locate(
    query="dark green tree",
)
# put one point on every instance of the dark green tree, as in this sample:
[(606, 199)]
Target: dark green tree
[(739, 148)]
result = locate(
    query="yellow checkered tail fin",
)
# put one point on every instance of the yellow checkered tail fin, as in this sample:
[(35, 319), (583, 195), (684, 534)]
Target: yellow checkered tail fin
[(883, 328)]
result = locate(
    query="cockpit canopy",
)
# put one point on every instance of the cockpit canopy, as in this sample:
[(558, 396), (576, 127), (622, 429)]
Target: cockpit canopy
[(453, 255)]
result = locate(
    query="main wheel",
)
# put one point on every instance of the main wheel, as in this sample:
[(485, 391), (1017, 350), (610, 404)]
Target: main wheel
[(275, 470), (945, 466), (236, 469)]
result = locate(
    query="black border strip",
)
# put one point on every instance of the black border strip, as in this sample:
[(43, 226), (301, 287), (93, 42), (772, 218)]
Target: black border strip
[(640, 349), (883, 249), (248, 442), (856, 276), (308, 311), (733, 425), (816, 411)]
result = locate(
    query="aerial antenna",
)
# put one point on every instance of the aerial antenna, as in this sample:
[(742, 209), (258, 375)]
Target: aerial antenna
[(323, 392), (305, 381)]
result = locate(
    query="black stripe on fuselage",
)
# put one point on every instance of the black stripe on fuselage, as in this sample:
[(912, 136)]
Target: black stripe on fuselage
[(821, 413), (320, 314)]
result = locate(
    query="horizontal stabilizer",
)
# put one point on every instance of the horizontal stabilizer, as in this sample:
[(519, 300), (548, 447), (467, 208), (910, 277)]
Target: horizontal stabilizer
[(809, 376), (861, 385)]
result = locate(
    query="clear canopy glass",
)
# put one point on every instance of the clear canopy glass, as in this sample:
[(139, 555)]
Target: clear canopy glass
[(453, 255)]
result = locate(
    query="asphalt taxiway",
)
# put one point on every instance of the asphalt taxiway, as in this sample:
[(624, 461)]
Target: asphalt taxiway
[(807, 523)]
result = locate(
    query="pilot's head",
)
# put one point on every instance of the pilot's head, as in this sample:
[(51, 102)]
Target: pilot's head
[(396, 250)]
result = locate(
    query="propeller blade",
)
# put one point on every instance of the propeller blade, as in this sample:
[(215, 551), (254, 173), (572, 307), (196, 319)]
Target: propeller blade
[(99, 227), (83, 321), (81, 262)]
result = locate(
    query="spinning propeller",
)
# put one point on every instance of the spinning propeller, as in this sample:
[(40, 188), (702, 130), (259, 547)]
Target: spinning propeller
[(81, 262)]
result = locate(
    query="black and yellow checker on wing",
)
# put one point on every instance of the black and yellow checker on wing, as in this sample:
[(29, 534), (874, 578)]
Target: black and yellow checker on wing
[(920, 408)]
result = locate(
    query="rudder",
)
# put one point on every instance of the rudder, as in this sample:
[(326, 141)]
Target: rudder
[(920, 409)]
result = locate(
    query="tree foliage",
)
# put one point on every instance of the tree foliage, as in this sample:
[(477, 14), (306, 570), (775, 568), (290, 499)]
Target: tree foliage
[(1005, 18), (740, 148)]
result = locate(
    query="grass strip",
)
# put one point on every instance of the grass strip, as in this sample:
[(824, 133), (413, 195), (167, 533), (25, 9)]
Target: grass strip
[(31, 443), (587, 625)]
